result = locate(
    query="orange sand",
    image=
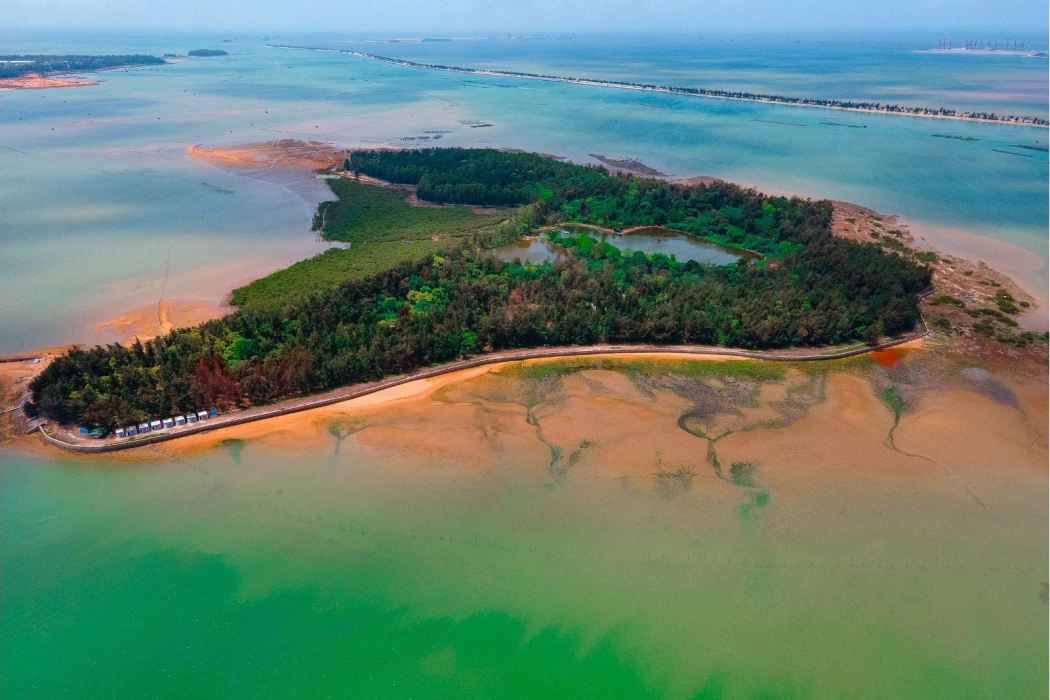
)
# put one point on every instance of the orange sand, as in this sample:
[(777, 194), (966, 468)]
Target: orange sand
[(157, 319), (34, 81), (604, 426), (286, 153)]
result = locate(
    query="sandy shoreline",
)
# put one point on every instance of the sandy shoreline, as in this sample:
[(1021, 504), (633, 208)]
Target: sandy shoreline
[(965, 277), (66, 438), (285, 153), (806, 432), (35, 81), (151, 320)]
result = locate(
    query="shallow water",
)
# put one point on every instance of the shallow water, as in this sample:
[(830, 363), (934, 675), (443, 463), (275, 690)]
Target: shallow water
[(438, 547), (105, 212)]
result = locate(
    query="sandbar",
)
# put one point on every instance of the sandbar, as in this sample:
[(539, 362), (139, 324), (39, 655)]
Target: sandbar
[(35, 81)]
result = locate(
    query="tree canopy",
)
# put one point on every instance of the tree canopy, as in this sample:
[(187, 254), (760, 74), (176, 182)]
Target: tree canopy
[(811, 289)]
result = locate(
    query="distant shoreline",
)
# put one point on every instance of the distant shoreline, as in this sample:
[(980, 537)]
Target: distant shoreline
[(40, 71), (831, 104), (963, 51)]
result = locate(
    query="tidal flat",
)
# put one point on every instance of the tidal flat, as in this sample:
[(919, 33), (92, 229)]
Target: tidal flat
[(617, 526)]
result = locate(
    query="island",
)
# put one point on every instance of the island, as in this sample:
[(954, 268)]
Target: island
[(806, 288), (19, 72), (208, 52)]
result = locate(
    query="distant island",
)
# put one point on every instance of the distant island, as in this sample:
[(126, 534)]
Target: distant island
[(820, 103), (19, 72), (15, 66), (987, 48), (208, 52)]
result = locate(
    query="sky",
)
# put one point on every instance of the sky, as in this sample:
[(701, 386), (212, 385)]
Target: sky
[(404, 17)]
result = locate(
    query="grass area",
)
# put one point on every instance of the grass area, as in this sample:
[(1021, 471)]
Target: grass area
[(368, 213), (947, 300), (382, 230)]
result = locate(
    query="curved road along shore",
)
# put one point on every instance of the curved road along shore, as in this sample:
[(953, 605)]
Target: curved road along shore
[(357, 390)]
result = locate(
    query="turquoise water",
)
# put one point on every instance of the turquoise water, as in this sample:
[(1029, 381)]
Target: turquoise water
[(887, 68), (103, 209)]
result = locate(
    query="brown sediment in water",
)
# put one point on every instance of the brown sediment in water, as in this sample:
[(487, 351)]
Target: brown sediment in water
[(976, 434), (817, 423), (311, 428), (612, 425), (816, 441), (35, 81)]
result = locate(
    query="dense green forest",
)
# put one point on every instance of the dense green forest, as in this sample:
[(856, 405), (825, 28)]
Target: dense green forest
[(811, 289), (15, 66), (559, 191)]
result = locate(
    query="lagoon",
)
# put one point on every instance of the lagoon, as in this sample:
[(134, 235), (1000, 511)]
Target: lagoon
[(648, 239)]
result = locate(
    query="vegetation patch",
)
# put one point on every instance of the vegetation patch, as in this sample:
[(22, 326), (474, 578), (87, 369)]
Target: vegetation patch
[(1006, 302), (941, 324), (742, 474), (892, 398), (674, 480), (947, 300), (382, 230)]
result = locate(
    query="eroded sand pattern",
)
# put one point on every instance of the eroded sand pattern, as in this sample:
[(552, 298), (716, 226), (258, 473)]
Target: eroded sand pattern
[(627, 522)]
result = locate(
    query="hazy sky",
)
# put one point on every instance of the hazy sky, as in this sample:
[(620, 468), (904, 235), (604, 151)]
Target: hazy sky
[(560, 16)]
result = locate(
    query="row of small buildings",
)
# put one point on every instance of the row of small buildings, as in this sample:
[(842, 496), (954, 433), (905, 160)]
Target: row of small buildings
[(172, 422)]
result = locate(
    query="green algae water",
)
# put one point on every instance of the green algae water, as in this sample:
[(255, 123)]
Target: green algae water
[(213, 579), (353, 566)]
